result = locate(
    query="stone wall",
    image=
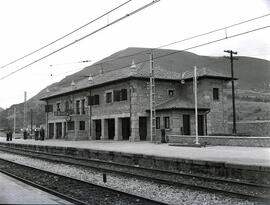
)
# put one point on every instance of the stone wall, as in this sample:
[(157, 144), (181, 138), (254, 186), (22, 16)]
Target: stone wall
[(252, 128), (222, 140), (255, 174)]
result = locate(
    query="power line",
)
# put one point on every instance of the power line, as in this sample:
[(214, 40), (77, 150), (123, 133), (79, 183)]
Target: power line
[(196, 46), (82, 38), (186, 39), (64, 36)]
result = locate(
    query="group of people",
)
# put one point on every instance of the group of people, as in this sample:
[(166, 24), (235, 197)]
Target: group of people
[(9, 135), (39, 134)]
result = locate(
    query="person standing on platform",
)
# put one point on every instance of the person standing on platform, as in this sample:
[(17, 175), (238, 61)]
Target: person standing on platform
[(24, 135), (10, 135), (42, 133), (36, 134)]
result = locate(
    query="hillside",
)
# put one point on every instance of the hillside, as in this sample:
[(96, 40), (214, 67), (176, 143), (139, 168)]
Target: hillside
[(253, 73)]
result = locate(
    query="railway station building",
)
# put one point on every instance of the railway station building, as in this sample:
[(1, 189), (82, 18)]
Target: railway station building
[(116, 105)]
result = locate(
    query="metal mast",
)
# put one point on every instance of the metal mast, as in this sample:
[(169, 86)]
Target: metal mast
[(14, 130), (196, 104), (24, 113), (152, 99)]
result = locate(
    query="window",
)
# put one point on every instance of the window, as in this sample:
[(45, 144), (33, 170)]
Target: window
[(48, 108), (58, 107), (116, 95), (157, 122), (96, 99), (171, 93), (82, 125), (83, 106), (67, 105), (120, 95), (70, 125), (77, 107), (167, 122), (109, 97), (215, 94), (93, 100), (123, 94)]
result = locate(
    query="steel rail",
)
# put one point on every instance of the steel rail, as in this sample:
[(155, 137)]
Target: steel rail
[(81, 183), (76, 161)]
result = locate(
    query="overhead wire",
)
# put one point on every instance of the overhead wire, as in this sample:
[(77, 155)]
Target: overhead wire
[(82, 38), (186, 39), (196, 46), (66, 35)]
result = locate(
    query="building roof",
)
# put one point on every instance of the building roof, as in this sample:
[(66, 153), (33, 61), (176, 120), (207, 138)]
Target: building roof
[(180, 103), (140, 70)]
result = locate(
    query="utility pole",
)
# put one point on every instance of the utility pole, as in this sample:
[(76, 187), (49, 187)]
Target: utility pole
[(233, 94), (196, 105), (24, 110), (31, 117), (14, 129), (152, 99)]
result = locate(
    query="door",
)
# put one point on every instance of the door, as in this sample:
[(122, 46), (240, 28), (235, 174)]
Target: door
[(58, 130), (186, 124), (98, 129), (126, 128), (51, 130), (200, 125), (143, 128), (111, 130)]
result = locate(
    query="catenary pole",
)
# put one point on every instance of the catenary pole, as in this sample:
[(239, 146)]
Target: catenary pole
[(196, 105), (233, 92), (14, 129)]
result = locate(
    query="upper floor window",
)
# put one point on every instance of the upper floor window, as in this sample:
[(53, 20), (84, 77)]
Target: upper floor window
[(58, 107), (167, 122), (93, 100), (116, 95), (108, 97), (157, 122), (120, 95), (215, 94), (171, 93), (67, 105), (123, 94), (77, 107), (48, 108), (83, 106)]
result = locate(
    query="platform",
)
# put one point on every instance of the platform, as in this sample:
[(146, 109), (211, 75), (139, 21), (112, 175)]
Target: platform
[(241, 163), (254, 156), (13, 191)]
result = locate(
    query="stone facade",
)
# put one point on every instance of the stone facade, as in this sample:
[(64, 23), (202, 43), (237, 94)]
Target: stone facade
[(116, 120)]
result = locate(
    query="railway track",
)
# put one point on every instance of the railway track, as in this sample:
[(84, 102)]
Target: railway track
[(71, 189), (245, 190)]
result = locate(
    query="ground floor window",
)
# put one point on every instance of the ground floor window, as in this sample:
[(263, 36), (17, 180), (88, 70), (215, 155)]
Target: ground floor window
[(82, 125), (157, 122), (167, 122), (70, 125)]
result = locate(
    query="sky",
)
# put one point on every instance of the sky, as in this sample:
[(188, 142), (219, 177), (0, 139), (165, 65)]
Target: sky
[(27, 25)]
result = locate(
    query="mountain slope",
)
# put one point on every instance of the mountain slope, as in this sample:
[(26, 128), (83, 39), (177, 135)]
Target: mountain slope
[(253, 73)]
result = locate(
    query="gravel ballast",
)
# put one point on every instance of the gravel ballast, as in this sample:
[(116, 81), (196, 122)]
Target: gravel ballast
[(161, 192)]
